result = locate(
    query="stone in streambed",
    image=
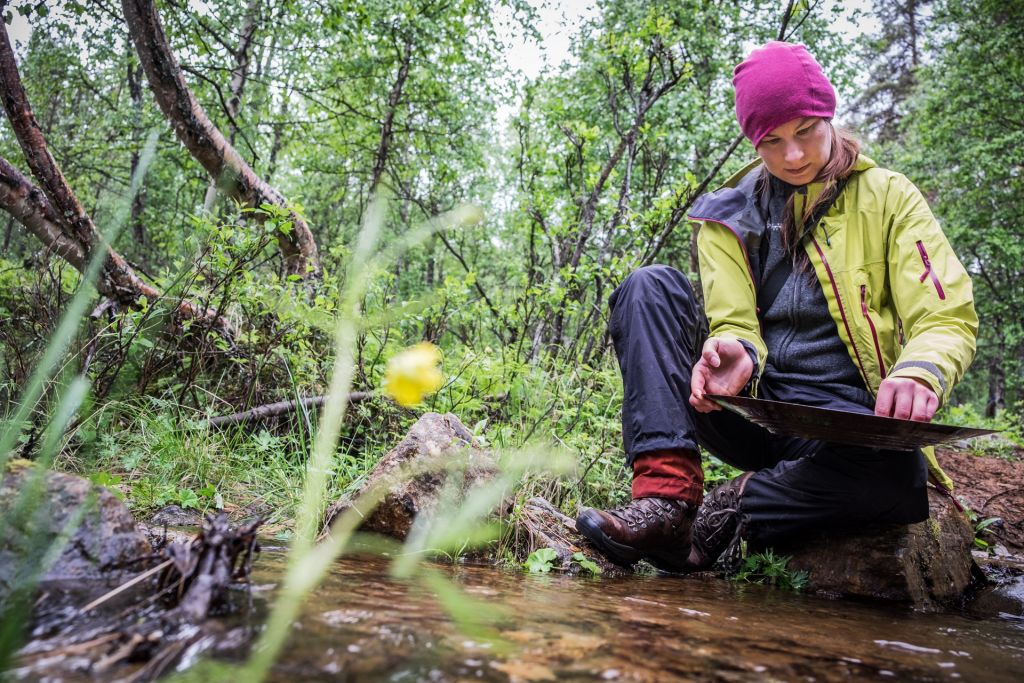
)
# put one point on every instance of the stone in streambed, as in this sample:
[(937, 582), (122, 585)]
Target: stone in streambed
[(432, 442), (928, 563), (102, 545)]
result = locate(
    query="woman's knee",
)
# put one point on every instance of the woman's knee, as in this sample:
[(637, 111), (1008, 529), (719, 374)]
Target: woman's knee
[(659, 281)]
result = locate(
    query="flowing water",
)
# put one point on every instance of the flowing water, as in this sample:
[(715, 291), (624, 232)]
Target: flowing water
[(363, 625)]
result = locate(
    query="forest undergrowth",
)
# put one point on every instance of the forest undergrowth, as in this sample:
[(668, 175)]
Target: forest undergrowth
[(154, 445), (148, 437)]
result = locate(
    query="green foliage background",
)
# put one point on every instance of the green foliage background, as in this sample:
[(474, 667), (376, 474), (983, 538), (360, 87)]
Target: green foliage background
[(584, 173)]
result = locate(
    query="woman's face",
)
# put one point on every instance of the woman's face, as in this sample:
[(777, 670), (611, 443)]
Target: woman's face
[(797, 150)]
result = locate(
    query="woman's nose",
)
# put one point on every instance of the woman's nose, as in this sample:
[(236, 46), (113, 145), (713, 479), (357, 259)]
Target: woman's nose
[(794, 152)]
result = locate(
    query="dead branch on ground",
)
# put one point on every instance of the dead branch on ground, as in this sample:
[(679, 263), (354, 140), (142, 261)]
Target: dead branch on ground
[(280, 408)]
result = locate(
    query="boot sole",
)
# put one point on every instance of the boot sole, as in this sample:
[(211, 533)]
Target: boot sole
[(620, 554), (626, 555), (670, 564)]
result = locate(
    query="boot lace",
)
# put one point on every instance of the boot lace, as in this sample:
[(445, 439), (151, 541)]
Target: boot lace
[(719, 525), (647, 511)]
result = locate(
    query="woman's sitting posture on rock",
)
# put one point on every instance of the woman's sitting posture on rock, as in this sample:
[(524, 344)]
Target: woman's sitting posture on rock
[(827, 282)]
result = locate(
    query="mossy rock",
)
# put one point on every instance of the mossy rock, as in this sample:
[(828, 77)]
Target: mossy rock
[(85, 529), (928, 564)]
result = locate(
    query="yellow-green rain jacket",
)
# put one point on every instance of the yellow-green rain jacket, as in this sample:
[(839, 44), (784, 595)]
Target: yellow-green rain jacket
[(901, 300)]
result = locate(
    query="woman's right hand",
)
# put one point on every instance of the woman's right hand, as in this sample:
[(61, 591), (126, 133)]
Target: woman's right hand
[(724, 368)]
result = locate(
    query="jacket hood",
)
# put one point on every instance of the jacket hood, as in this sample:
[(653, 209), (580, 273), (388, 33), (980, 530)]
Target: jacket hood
[(737, 193), (734, 204)]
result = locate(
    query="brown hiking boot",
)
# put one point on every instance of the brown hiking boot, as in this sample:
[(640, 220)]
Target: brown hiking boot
[(652, 529), (718, 526)]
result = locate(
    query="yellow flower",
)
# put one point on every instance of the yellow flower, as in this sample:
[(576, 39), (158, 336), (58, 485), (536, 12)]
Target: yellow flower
[(413, 373)]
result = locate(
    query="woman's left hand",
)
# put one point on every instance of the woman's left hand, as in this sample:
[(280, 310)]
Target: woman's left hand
[(907, 399)]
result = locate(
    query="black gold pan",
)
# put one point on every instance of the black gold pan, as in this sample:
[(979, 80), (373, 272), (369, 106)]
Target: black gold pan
[(845, 427)]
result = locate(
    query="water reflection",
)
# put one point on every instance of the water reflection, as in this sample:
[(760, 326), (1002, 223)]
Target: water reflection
[(364, 626)]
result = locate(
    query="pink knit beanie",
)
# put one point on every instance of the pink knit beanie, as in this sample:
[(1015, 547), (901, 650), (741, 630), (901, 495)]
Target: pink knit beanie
[(777, 83)]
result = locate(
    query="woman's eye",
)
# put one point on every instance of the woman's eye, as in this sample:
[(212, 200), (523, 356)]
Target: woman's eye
[(770, 142), (808, 129)]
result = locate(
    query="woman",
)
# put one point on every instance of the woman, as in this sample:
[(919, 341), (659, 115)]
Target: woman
[(827, 282)]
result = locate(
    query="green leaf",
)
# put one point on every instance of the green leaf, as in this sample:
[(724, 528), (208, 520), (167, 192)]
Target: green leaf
[(541, 561), (109, 481), (187, 498), (585, 564), (983, 525), (105, 478)]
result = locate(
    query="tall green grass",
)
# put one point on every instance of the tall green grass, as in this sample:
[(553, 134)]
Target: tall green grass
[(71, 391), (454, 526)]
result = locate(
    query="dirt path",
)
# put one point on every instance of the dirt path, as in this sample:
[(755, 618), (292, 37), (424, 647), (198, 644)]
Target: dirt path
[(992, 487)]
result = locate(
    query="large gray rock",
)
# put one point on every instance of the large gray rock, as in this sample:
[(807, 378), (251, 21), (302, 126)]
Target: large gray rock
[(414, 473), (928, 563), (102, 544)]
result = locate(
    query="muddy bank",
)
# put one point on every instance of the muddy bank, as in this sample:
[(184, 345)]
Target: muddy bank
[(991, 487), (93, 599)]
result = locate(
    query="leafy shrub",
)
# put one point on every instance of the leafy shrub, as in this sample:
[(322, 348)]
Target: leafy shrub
[(767, 568)]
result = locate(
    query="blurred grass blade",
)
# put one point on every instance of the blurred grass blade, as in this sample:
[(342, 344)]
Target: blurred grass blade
[(16, 607), (472, 616), (49, 363), (39, 553), (306, 563), (32, 487)]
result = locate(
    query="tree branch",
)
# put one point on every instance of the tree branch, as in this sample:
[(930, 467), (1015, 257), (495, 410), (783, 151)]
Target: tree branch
[(280, 408), (53, 213), (30, 207), (205, 142), (380, 160), (679, 211)]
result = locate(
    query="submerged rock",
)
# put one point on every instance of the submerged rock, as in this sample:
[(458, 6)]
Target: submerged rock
[(39, 507), (928, 563), (414, 473), (175, 515)]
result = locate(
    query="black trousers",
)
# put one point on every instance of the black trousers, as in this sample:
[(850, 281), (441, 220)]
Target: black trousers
[(799, 485)]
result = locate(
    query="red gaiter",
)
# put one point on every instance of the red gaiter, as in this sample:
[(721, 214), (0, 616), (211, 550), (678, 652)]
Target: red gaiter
[(674, 473)]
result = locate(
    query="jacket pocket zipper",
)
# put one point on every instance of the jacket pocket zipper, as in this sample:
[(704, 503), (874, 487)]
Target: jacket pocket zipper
[(871, 324), (842, 314), (928, 270)]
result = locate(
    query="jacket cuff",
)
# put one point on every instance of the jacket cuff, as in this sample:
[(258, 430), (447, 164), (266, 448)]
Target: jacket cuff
[(929, 373), (750, 388)]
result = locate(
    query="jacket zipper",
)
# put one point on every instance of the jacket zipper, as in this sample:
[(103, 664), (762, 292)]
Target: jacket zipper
[(842, 312), (928, 270), (871, 324)]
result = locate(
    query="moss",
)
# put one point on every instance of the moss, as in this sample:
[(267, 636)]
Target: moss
[(16, 465)]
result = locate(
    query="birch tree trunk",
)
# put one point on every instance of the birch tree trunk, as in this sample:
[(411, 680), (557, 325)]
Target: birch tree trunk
[(206, 143), (239, 76), (53, 213)]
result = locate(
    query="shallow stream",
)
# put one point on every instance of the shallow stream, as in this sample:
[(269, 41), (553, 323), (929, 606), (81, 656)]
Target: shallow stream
[(363, 625)]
